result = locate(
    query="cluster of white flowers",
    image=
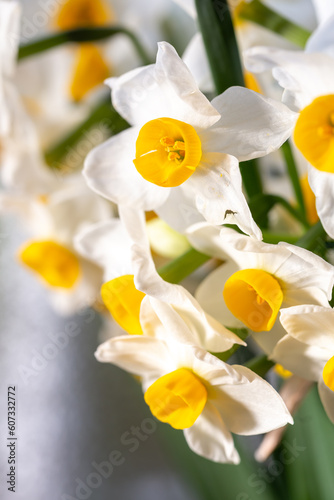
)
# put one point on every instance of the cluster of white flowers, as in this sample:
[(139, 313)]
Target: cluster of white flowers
[(179, 162)]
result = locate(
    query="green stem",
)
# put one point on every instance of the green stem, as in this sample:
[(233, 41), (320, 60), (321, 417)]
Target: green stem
[(104, 115), (82, 35), (260, 365), (220, 43), (222, 50), (251, 177), (293, 174), (258, 13), (183, 266)]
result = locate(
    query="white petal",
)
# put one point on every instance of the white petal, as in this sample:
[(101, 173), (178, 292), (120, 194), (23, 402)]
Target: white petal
[(250, 253), (321, 39), (313, 325), (327, 399), (304, 269), (139, 355), (73, 207), (180, 211), (187, 322), (251, 125), (322, 184), (301, 359), (166, 89), (85, 293), (308, 295), (108, 245), (110, 171), (305, 80), (210, 438), (268, 340), (262, 58), (197, 61), (206, 239), (323, 10), (251, 407), (217, 187)]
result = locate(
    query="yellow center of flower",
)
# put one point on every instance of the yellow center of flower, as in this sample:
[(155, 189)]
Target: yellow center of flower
[(123, 301), (55, 264), (314, 133), (255, 297), (177, 398), (167, 152), (90, 67), (90, 70), (83, 13), (328, 374)]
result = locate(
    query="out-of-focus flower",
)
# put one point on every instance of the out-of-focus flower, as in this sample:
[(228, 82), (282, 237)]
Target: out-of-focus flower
[(22, 167), (136, 296), (258, 280), (178, 152), (308, 348), (53, 220), (192, 390), (307, 78)]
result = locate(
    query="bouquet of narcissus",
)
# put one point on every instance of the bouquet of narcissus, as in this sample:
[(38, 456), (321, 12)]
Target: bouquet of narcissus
[(212, 165)]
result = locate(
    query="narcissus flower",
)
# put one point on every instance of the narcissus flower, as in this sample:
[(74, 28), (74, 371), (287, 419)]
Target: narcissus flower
[(22, 167), (258, 280), (307, 78), (180, 155), (138, 299), (190, 389), (73, 282), (308, 348)]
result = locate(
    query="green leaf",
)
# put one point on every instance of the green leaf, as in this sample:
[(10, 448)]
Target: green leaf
[(258, 13), (261, 204), (104, 115), (311, 471), (178, 269), (81, 35)]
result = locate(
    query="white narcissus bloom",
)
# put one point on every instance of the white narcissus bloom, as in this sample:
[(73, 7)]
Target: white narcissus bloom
[(192, 390), (258, 280), (22, 167), (139, 300), (54, 219), (307, 79), (308, 348), (180, 155)]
